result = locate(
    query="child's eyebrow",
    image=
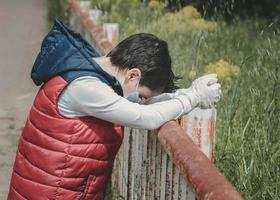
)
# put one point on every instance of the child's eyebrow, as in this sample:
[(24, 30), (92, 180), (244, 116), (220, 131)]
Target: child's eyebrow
[(142, 96)]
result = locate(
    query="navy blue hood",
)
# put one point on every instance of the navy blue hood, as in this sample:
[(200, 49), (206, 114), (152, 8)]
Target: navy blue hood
[(65, 52)]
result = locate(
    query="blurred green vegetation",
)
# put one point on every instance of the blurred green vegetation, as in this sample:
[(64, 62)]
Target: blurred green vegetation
[(54, 11), (229, 9), (245, 54)]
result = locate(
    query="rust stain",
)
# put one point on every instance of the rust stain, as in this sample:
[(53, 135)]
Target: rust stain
[(173, 180), (197, 131), (212, 135)]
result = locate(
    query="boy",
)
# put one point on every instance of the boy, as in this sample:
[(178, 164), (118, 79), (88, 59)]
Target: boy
[(73, 131)]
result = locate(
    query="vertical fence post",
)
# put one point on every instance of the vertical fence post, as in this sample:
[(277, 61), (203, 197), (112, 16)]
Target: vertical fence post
[(111, 31), (96, 16), (84, 5)]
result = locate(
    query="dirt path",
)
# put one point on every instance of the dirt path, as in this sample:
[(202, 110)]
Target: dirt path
[(23, 25)]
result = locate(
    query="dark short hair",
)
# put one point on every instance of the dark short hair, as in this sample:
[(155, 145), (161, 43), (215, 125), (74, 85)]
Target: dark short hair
[(150, 55)]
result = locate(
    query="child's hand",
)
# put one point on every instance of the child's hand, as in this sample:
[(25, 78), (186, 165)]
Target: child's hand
[(204, 91)]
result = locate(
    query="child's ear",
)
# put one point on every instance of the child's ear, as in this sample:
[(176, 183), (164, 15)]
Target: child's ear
[(134, 73)]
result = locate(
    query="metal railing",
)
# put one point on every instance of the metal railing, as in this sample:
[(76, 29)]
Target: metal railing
[(144, 168), (197, 169)]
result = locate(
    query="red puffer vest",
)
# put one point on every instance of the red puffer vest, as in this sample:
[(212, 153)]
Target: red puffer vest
[(60, 157)]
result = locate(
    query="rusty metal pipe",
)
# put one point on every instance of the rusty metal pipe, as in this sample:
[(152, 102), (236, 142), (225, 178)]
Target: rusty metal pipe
[(204, 178)]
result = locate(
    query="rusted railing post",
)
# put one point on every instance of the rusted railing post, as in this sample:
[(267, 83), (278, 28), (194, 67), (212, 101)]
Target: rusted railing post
[(207, 182)]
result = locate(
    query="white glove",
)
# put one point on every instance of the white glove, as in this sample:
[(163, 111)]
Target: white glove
[(204, 92)]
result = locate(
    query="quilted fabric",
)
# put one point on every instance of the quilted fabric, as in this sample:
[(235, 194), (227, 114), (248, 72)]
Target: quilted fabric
[(60, 157)]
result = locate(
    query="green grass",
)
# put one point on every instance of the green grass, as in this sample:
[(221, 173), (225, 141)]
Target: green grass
[(248, 136), (54, 11)]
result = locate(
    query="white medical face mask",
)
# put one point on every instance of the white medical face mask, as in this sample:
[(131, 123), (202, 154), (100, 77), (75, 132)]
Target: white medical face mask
[(134, 96)]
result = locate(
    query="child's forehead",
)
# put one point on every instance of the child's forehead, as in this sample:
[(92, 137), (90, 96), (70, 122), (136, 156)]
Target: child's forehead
[(146, 92)]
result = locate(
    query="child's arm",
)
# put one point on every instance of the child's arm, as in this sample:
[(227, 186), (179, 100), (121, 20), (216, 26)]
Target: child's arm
[(163, 97), (88, 96)]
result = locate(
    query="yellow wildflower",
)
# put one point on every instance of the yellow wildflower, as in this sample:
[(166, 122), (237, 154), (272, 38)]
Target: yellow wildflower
[(192, 74), (187, 19), (223, 69), (156, 5)]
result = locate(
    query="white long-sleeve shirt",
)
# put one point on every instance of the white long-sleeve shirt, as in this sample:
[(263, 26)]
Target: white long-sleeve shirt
[(89, 96)]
